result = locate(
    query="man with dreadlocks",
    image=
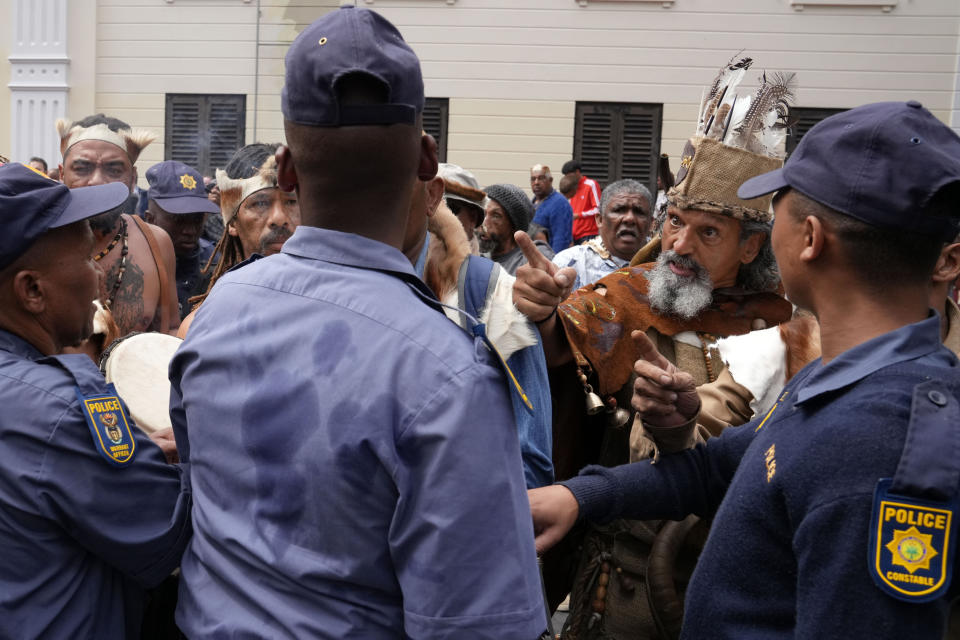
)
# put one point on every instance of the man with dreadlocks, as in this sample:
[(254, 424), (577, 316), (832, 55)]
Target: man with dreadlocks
[(715, 276), (137, 257), (258, 216)]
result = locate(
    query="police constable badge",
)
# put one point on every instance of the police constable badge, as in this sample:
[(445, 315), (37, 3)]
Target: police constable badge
[(911, 545), (109, 427)]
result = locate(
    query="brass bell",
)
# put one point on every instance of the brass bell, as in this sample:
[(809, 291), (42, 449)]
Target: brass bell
[(594, 403), (618, 417)]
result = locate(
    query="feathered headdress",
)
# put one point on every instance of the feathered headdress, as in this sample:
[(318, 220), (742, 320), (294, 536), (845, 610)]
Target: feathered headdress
[(133, 141), (738, 136)]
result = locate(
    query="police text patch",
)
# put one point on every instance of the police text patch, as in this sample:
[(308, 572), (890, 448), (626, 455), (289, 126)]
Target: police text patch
[(911, 545), (109, 427)]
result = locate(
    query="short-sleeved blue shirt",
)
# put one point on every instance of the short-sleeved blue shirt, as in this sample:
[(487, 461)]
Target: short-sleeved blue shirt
[(81, 538), (555, 213), (353, 457)]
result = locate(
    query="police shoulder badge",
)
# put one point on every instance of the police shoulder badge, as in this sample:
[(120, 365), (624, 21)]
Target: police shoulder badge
[(109, 426), (911, 545)]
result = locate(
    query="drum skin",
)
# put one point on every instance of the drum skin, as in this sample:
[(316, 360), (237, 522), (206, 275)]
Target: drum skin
[(137, 366)]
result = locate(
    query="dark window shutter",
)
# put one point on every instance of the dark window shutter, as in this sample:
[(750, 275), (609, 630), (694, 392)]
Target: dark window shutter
[(641, 147), (804, 118), (435, 113), (598, 146), (227, 123), (183, 129), (204, 130), (615, 140)]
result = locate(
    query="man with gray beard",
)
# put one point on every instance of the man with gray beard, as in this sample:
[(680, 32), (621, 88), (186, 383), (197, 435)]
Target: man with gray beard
[(710, 275), (676, 295)]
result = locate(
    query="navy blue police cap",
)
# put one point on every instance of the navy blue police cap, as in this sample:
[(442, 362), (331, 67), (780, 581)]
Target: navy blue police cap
[(880, 163), (31, 204), (346, 41), (178, 188)]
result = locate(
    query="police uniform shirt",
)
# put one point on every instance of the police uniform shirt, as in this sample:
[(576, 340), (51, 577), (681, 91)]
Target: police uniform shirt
[(787, 555), (353, 457), (81, 538)]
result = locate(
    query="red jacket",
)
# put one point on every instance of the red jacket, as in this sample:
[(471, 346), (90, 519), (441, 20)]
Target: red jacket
[(586, 207)]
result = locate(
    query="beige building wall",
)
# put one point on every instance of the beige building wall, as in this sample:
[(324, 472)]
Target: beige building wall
[(513, 70), (148, 48)]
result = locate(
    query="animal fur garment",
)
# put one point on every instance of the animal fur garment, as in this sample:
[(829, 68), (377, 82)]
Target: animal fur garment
[(105, 329), (598, 319), (474, 195), (508, 329), (133, 141), (764, 361), (233, 191), (448, 249)]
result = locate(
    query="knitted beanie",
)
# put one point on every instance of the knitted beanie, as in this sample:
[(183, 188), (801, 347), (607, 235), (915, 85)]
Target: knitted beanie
[(515, 203)]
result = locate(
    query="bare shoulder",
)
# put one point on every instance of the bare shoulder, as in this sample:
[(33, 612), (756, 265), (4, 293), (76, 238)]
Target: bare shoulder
[(185, 324)]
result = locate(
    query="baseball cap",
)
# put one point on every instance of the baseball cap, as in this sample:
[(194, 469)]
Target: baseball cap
[(32, 204), (178, 188), (346, 41), (880, 163)]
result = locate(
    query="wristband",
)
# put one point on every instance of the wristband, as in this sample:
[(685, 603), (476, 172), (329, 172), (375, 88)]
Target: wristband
[(552, 313)]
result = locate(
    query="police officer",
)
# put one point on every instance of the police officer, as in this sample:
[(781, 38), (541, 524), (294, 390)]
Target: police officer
[(353, 453), (91, 514), (177, 203), (836, 512)]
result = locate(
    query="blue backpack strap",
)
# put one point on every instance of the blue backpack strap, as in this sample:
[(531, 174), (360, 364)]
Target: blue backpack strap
[(105, 414), (913, 525), (475, 283), (526, 372)]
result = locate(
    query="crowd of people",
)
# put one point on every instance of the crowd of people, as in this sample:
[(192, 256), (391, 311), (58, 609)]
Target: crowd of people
[(419, 407)]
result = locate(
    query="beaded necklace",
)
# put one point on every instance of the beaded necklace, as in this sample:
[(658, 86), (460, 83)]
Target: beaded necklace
[(100, 256), (123, 262), (707, 356)]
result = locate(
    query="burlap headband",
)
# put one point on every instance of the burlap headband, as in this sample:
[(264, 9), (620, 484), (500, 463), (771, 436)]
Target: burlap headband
[(233, 191), (710, 174), (133, 141)]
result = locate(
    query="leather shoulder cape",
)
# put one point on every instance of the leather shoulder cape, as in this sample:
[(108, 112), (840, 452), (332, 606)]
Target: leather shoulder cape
[(598, 320)]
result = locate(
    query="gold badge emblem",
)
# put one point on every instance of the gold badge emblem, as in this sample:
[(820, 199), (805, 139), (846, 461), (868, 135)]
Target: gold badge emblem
[(187, 181), (911, 549)]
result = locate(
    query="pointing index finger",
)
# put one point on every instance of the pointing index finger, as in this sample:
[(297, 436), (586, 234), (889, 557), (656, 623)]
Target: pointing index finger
[(647, 351), (532, 254)]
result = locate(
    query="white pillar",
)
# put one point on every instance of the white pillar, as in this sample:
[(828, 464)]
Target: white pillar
[(38, 78)]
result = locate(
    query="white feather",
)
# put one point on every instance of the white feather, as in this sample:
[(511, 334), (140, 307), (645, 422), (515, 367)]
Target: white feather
[(737, 114), (703, 108)]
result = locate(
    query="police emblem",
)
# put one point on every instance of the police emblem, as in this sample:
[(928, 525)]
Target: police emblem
[(911, 545), (187, 181), (109, 427), (112, 429)]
